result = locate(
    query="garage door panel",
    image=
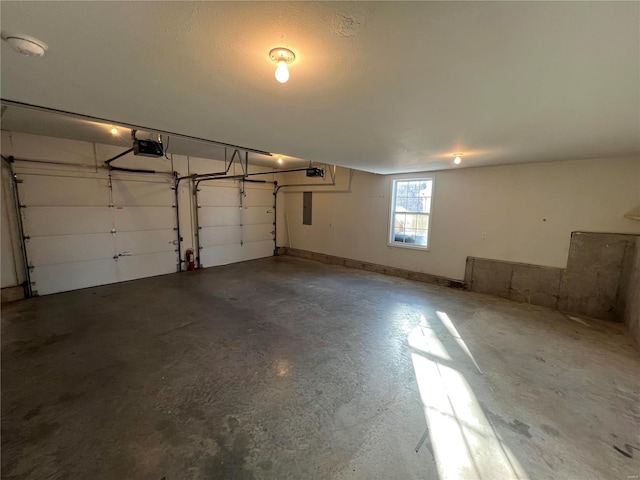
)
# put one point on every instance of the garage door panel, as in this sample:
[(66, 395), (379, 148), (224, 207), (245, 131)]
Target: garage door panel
[(40, 221), (256, 233), (218, 216), (143, 218), (142, 194), (59, 249), (145, 265), (223, 225), (221, 255), (49, 190), (212, 236), (258, 197), (72, 276), (148, 241), (70, 223), (253, 250), (223, 196), (256, 215)]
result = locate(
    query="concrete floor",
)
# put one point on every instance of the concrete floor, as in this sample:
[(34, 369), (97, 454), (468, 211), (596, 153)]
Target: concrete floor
[(286, 368)]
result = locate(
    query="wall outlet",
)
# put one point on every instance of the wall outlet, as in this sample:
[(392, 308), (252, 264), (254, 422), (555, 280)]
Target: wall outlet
[(484, 235)]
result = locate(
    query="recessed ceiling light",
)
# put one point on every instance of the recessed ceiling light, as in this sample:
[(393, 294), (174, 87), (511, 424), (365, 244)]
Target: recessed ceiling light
[(458, 158), (282, 56), (114, 131), (25, 44)]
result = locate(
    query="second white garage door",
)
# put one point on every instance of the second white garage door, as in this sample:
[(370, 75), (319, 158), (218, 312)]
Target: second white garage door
[(234, 229)]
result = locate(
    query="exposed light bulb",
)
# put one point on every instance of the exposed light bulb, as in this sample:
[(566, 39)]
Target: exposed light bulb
[(282, 72), (457, 160), (114, 131), (279, 159)]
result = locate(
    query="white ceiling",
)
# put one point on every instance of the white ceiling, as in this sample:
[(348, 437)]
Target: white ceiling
[(379, 86)]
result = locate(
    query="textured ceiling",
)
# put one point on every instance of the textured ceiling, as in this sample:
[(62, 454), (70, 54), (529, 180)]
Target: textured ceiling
[(380, 86)]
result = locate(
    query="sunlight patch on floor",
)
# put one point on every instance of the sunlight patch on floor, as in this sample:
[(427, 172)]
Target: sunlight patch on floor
[(465, 443)]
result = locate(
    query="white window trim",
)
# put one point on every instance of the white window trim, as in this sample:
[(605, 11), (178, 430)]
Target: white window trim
[(391, 212)]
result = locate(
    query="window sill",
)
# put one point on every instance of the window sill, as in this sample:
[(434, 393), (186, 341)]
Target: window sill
[(408, 245)]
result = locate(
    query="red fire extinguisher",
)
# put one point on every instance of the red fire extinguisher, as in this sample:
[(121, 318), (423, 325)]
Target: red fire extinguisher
[(190, 259)]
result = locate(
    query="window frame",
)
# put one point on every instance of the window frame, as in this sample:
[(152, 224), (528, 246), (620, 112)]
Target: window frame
[(391, 225)]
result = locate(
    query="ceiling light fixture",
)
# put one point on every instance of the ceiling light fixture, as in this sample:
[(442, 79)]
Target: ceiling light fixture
[(114, 131), (458, 158), (280, 160), (25, 44), (282, 56)]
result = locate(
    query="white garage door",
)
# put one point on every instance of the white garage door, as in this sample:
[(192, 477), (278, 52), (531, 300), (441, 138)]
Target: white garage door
[(75, 239), (232, 229), (144, 221)]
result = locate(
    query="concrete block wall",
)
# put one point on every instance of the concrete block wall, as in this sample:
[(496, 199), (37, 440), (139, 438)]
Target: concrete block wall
[(372, 267), (514, 281), (631, 315), (596, 283), (595, 280)]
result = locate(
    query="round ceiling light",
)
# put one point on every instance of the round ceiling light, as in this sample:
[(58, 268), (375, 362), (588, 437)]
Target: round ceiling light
[(282, 56), (280, 160), (25, 44), (458, 158)]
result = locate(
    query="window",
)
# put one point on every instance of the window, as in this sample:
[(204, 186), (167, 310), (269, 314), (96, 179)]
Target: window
[(410, 212)]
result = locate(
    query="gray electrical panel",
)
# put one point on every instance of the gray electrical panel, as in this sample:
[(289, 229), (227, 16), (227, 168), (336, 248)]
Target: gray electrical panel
[(306, 208)]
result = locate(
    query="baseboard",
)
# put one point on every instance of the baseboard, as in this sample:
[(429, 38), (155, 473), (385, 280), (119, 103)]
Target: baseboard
[(12, 294), (373, 267)]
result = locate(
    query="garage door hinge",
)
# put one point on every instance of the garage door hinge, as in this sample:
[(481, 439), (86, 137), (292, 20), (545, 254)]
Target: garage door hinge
[(22, 206), (26, 237), (113, 231)]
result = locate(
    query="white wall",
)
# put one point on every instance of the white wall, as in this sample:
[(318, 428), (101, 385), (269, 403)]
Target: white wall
[(509, 203), (527, 211)]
